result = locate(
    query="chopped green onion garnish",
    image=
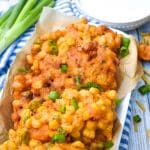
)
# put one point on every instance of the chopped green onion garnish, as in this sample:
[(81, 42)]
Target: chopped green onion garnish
[(144, 89), (118, 102), (53, 95), (13, 29), (64, 68), (75, 103), (123, 51), (125, 42), (108, 144), (137, 118), (58, 138), (63, 109), (94, 85)]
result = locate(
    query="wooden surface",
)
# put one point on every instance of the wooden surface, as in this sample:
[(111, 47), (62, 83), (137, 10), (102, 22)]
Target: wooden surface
[(139, 140)]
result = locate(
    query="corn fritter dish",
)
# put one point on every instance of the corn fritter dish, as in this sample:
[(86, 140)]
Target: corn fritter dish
[(64, 97)]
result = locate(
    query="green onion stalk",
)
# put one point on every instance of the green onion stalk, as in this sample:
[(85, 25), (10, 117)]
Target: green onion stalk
[(13, 31)]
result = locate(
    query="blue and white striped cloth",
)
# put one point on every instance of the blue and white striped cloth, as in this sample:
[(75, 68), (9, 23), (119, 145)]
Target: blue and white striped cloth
[(6, 59)]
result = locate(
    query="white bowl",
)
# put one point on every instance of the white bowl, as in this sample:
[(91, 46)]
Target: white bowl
[(124, 15)]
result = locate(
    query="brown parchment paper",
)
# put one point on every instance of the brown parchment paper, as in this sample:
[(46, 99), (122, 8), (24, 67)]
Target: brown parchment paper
[(129, 71)]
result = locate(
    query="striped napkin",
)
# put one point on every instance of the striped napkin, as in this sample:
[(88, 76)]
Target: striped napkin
[(6, 59)]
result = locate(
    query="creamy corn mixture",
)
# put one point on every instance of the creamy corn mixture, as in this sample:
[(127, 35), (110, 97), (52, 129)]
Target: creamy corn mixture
[(64, 98)]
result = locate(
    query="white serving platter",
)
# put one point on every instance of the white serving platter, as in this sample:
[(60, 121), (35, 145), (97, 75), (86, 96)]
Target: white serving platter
[(122, 109)]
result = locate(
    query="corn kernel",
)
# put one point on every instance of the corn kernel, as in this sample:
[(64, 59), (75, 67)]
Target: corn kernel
[(51, 133), (89, 133), (33, 143), (28, 123), (4, 146), (11, 145), (102, 40), (78, 144), (101, 125), (46, 47), (91, 124), (110, 116), (45, 37), (75, 134), (12, 134), (36, 123), (29, 59), (67, 128), (53, 124), (24, 147), (40, 147), (37, 84), (94, 90), (95, 106), (111, 94), (86, 115), (41, 55), (103, 108), (35, 65), (40, 109), (70, 41)]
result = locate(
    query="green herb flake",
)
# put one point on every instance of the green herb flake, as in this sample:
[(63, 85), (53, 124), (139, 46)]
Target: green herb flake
[(108, 144), (75, 103), (144, 89), (64, 68), (88, 85), (123, 51), (137, 118), (53, 95), (58, 138), (62, 109), (125, 42), (118, 102)]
